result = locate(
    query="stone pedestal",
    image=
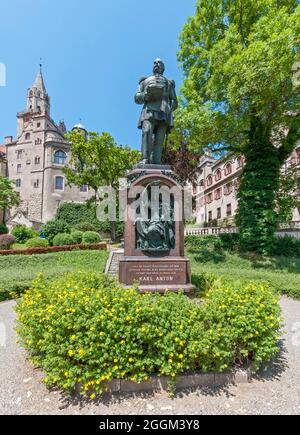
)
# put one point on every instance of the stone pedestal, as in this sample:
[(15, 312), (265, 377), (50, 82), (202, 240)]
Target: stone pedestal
[(164, 268)]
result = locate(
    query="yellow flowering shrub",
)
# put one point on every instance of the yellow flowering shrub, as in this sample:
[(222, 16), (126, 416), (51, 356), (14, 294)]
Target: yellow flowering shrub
[(87, 329)]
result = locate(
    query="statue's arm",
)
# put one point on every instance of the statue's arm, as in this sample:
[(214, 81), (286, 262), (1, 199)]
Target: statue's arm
[(173, 96), (140, 95)]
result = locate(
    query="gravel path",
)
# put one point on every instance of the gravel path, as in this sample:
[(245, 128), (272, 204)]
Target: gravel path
[(275, 391)]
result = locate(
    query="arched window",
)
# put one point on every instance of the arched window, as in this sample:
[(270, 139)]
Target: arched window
[(27, 136), (228, 169), (59, 183), (218, 175), (209, 180), (60, 157)]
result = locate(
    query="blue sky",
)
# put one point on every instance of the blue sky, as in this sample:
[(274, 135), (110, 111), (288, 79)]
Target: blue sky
[(93, 52)]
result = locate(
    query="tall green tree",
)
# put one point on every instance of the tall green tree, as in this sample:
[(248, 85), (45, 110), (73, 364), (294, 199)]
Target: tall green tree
[(98, 162), (8, 197), (238, 58)]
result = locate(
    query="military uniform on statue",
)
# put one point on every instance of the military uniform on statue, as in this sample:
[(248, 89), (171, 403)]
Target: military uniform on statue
[(154, 239)]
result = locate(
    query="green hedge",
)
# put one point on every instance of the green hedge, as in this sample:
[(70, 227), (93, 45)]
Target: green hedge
[(85, 329), (286, 246), (77, 236), (37, 242), (279, 246), (18, 271), (83, 217), (75, 213), (63, 239), (91, 237)]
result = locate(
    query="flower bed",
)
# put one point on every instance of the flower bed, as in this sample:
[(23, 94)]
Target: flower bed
[(86, 329), (32, 251)]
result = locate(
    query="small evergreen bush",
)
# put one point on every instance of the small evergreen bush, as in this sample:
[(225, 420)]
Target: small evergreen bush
[(37, 242), (54, 227), (22, 233), (77, 236), (63, 239), (91, 237)]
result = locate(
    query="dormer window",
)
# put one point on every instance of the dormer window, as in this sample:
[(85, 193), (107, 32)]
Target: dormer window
[(60, 157)]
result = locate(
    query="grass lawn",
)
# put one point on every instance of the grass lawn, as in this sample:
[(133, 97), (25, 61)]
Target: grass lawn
[(282, 273), (18, 271)]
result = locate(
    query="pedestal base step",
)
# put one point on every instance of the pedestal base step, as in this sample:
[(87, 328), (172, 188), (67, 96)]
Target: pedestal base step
[(187, 288)]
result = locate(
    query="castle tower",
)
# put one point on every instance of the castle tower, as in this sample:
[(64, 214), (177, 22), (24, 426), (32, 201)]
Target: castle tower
[(38, 100), (36, 160)]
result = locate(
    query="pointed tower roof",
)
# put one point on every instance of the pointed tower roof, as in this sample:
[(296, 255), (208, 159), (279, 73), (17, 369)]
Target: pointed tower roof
[(39, 81)]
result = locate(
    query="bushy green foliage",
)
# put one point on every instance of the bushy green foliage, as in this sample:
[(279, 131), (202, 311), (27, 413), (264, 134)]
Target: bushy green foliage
[(205, 246), (37, 242), (86, 329), (83, 217), (256, 216), (285, 246), (3, 229), (230, 241), (85, 226), (195, 243), (281, 273), (239, 97), (63, 239), (23, 233), (54, 227), (8, 196), (6, 241), (91, 237), (203, 282), (77, 236), (75, 213), (18, 271)]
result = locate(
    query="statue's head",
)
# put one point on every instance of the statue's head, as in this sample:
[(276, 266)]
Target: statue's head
[(159, 67)]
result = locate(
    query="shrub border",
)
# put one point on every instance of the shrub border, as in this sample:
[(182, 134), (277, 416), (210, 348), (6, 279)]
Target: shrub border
[(31, 251)]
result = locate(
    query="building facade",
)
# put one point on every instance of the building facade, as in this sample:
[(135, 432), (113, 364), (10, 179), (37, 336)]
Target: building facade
[(216, 191), (35, 161)]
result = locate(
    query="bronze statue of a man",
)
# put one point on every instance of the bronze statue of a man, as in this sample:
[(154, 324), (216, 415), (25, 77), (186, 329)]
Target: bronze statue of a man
[(158, 95)]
